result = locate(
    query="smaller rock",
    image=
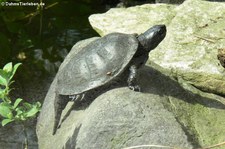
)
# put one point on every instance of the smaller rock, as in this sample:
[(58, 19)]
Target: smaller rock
[(133, 19)]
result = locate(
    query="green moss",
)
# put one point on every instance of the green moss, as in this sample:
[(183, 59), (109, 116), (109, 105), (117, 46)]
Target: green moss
[(211, 83), (201, 114), (119, 140), (205, 125)]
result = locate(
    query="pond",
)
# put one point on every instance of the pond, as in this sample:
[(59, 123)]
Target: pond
[(39, 38)]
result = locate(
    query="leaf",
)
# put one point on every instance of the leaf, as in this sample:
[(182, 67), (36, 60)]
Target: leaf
[(6, 121), (38, 104), (19, 112), (27, 105), (17, 102), (34, 110), (3, 81), (5, 110), (14, 70), (3, 78), (20, 115), (4, 74), (2, 94), (8, 67)]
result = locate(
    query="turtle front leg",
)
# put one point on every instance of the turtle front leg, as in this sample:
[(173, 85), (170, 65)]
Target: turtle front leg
[(132, 79)]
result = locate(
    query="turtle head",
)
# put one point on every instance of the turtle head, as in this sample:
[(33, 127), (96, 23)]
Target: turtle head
[(152, 37)]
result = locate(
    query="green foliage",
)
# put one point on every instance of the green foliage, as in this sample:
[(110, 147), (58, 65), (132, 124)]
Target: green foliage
[(19, 110)]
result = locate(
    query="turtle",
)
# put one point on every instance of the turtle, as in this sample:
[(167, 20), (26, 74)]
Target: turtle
[(101, 62)]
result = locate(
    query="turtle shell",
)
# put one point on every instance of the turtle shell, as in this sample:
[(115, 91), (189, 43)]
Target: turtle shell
[(97, 63)]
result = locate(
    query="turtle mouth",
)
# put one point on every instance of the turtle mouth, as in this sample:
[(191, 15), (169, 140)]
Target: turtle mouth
[(162, 31)]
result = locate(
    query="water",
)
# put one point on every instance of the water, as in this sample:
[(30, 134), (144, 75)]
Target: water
[(40, 40)]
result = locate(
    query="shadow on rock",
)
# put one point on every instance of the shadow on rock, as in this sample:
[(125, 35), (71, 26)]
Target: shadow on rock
[(154, 82), (70, 143)]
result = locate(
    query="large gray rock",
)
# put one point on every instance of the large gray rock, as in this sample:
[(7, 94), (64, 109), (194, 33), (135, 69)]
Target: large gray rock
[(122, 118), (118, 118), (189, 51), (163, 114), (188, 54)]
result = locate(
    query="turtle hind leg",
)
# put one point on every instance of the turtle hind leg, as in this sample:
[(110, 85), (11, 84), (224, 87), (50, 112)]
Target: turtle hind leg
[(59, 105)]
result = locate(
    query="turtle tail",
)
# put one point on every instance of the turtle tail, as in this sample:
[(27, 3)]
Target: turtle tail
[(59, 105)]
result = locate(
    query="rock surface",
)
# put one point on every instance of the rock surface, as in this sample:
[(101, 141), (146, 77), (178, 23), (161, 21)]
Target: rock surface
[(132, 20), (170, 1), (188, 54), (189, 51), (109, 121), (164, 113), (121, 118), (18, 136)]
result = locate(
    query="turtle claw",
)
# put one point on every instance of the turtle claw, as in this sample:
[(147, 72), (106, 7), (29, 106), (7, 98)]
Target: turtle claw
[(73, 97), (135, 88), (77, 97), (82, 97)]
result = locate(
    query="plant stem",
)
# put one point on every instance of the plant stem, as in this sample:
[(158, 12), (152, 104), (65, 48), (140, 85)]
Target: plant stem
[(25, 135)]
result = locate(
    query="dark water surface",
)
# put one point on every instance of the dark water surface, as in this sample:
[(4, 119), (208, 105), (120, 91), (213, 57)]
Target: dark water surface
[(43, 40)]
